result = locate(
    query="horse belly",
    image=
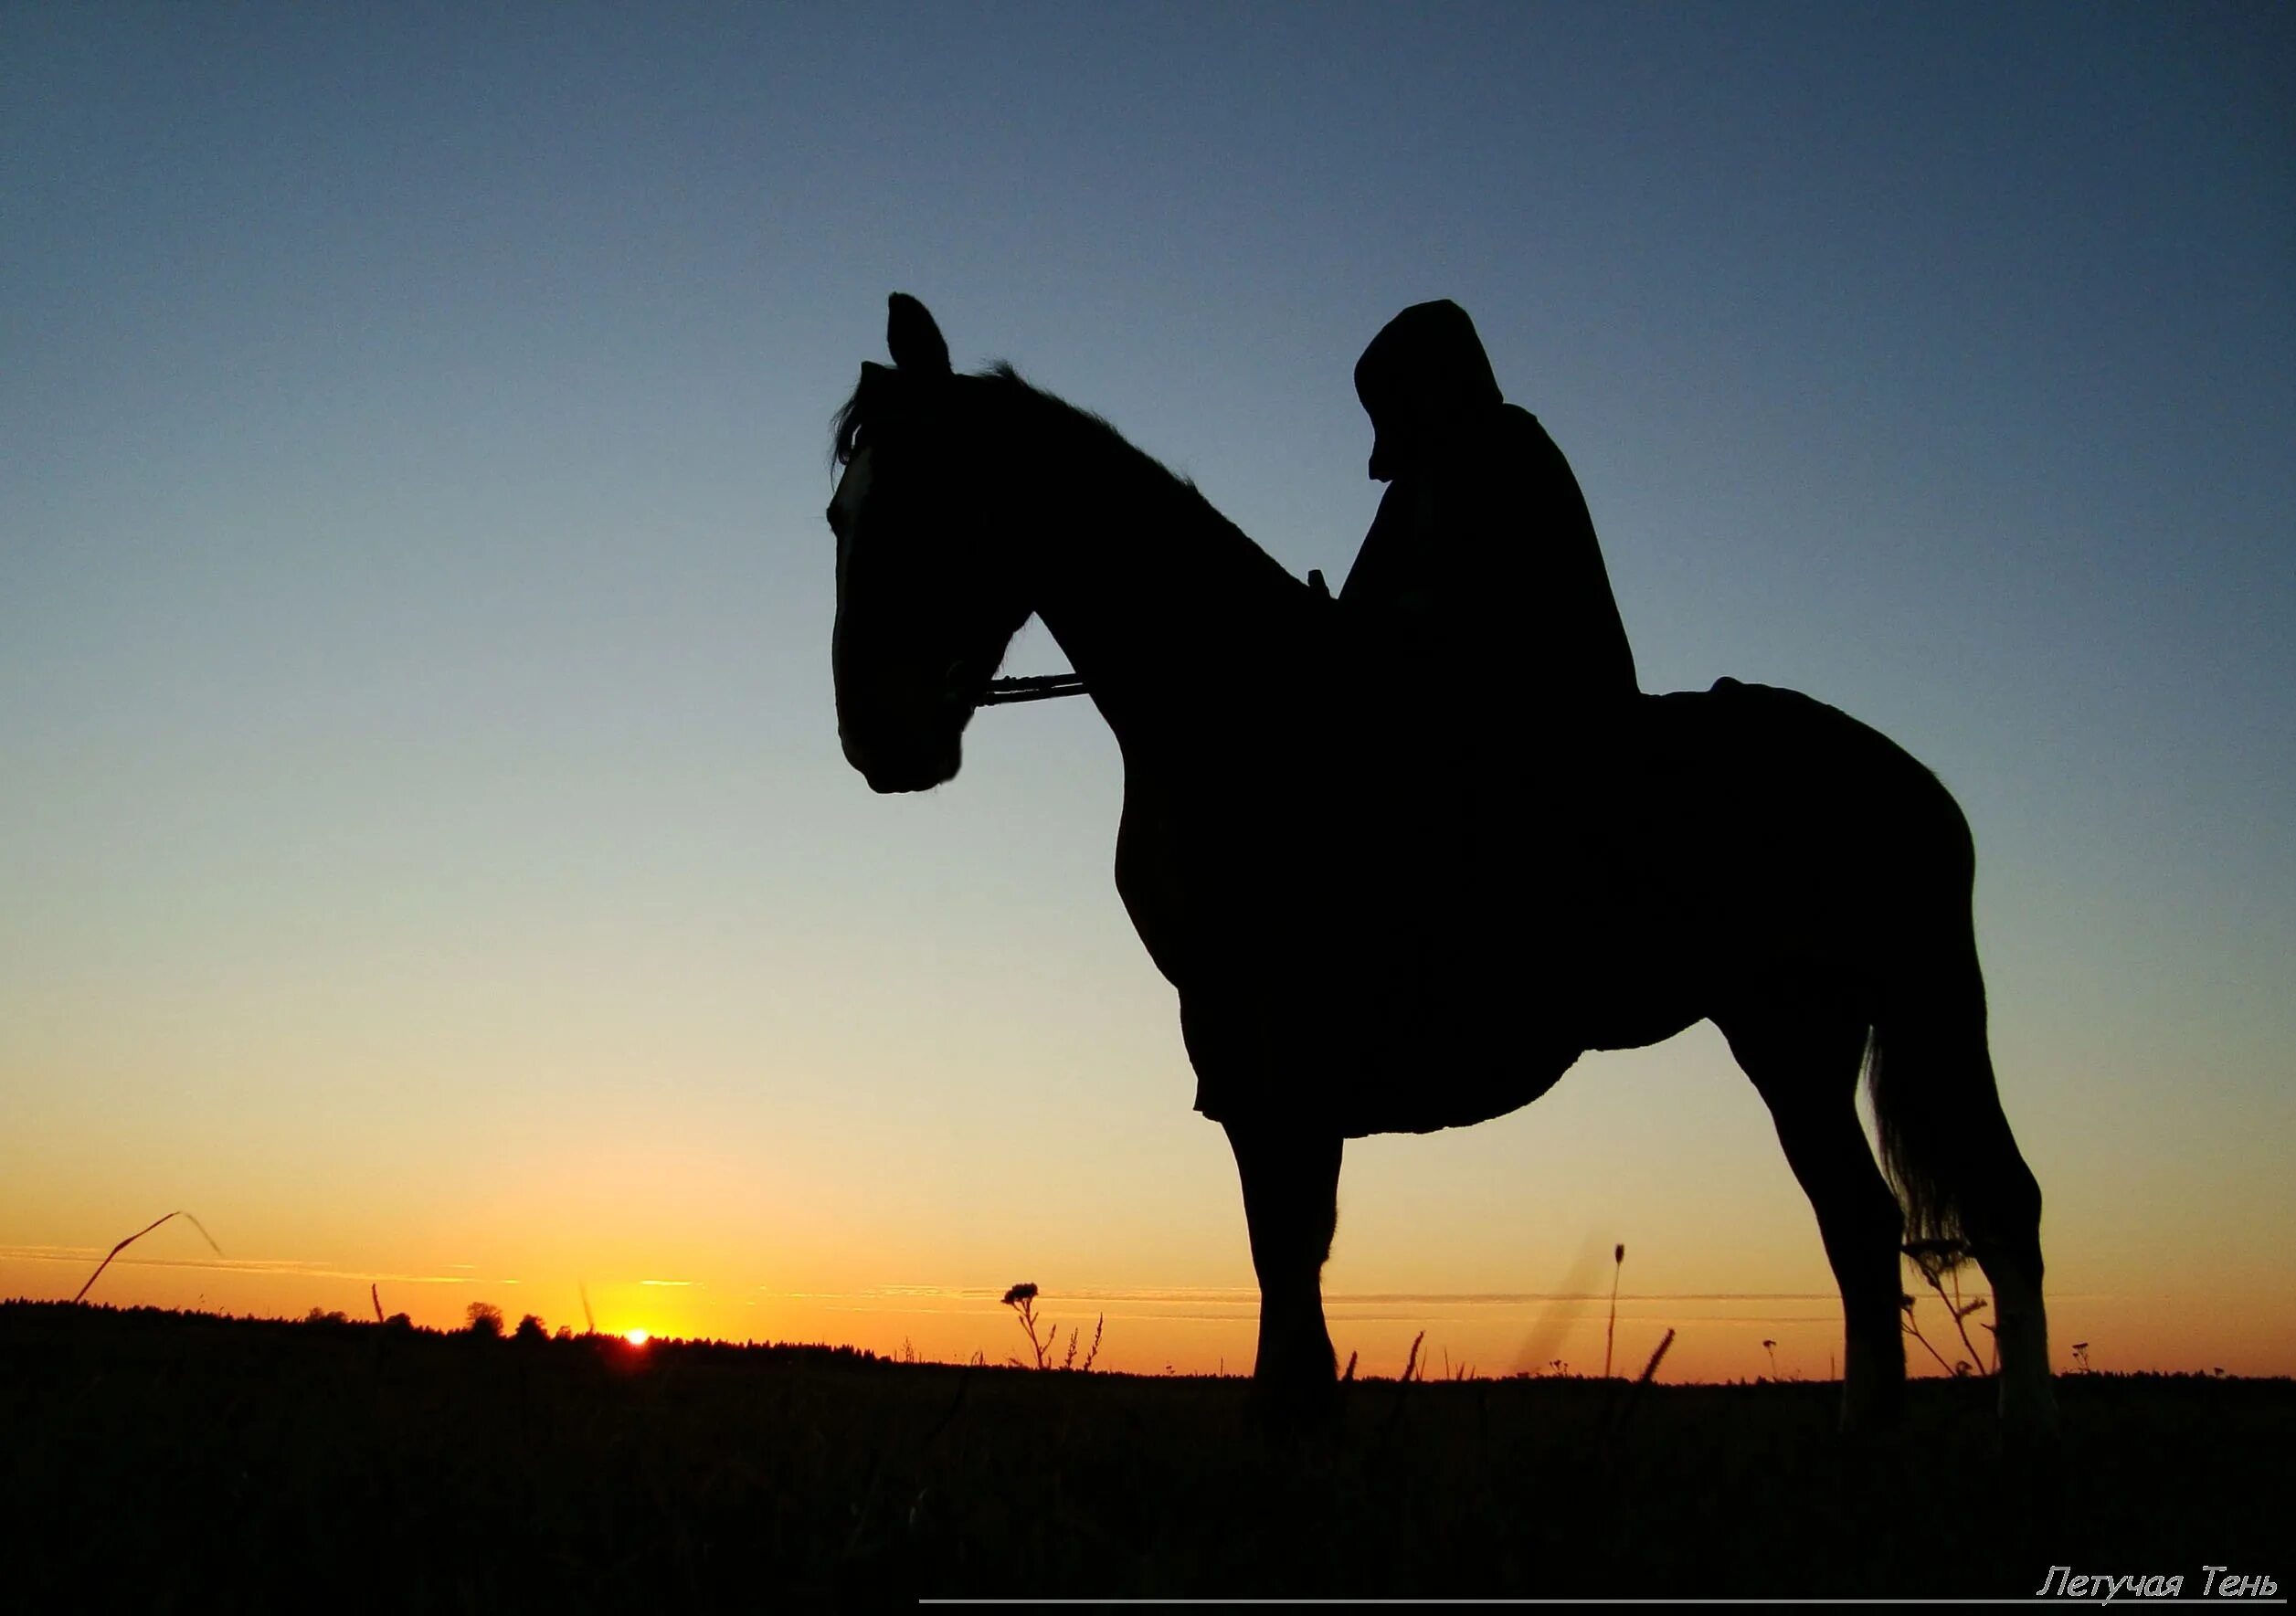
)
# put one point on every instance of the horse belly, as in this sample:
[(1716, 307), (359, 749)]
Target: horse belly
[(1390, 1017), (1359, 1069), (1474, 974)]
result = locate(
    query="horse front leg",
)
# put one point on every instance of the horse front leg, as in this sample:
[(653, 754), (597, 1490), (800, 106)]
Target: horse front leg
[(1291, 1201)]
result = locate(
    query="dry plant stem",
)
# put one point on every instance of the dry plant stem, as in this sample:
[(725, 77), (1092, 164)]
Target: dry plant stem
[(1623, 1406), (1957, 1310), (138, 1235), (1395, 1410), (1069, 1363), (1022, 1299), (1914, 1330), (1650, 1370), (1934, 1258), (1961, 1313), (1610, 1332)]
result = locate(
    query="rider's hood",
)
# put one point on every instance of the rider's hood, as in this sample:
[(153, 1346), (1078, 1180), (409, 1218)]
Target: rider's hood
[(1425, 370)]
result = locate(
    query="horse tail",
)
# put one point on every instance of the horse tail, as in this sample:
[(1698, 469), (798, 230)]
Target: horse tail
[(1946, 1147)]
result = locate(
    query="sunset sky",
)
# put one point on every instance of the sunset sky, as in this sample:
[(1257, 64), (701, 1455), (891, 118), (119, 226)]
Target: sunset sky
[(425, 853)]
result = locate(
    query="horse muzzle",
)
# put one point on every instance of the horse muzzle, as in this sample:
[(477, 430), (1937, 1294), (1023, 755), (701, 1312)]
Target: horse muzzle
[(907, 764)]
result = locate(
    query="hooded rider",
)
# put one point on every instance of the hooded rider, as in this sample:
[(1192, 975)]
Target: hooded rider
[(1482, 555)]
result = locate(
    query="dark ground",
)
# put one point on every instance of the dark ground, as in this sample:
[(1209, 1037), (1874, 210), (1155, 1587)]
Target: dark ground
[(171, 1460)]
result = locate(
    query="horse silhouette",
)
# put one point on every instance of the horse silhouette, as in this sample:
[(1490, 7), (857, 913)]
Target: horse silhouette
[(1378, 926)]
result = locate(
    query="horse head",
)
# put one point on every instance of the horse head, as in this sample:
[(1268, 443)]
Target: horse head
[(925, 607)]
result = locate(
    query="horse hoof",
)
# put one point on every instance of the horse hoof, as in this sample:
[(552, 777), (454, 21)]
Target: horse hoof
[(1873, 1414), (1287, 1412), (2030, 1424)]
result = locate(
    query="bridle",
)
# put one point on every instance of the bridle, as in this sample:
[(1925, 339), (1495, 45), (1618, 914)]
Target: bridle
[(1044, 687)]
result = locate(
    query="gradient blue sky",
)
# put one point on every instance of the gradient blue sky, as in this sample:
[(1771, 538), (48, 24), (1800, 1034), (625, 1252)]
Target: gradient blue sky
[(423, 839)]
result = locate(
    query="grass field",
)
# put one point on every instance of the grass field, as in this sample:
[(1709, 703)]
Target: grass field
[(177, 1461)]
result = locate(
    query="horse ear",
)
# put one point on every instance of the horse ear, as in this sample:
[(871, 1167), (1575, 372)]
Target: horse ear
[(916, 343)]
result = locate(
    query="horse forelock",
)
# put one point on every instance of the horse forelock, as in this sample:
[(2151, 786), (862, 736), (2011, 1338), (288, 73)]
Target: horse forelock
[(877, 383), (845, 426)]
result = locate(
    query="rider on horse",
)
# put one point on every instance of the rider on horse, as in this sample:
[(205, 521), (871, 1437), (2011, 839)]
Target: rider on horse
[(1482, 555), (1490, 766)]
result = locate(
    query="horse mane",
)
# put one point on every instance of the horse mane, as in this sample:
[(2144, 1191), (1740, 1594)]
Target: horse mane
[(1026, 399), (1081, 441)]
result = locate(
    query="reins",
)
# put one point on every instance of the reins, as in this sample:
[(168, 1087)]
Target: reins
[(1041, 687)]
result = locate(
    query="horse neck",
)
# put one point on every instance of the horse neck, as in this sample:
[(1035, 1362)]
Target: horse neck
[(1164, 608)]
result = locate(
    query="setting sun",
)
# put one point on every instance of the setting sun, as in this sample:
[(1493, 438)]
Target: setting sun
[(637, 1337)]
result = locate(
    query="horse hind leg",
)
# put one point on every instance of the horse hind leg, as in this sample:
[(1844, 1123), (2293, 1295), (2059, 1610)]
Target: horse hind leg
[(1806, 1072), (1957, 1164), (2010, 1254)]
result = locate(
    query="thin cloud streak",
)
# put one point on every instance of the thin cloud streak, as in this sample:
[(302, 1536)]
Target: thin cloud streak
[(290, 1267), (1176, 1303), (1247, 1297)]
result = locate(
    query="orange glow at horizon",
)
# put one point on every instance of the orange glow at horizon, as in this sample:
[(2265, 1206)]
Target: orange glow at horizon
[(1211, 1330)]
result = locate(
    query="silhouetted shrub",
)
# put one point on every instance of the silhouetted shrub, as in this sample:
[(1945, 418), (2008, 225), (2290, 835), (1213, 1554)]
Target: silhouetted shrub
[(486, 1320)]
